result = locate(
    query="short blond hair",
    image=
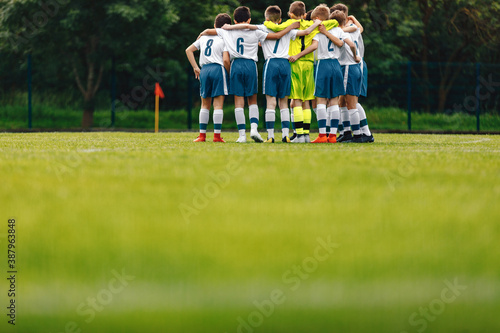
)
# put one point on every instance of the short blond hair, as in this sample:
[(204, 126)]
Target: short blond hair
[(322, 12), (297, 8)]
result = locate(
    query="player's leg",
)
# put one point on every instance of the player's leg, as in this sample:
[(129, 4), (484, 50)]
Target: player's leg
[(334, 112), (321, 115), (238, 90), (285, 119), (218, 116), (307, 120), (297, 93), (239, 115), (365, 130), (346, 135), (204, 117), (292, 105), (254, 118), (270, 117), (354, 117), (309, 87), (298, 119)]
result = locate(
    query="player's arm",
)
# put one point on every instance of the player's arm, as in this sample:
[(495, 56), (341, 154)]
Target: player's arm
[(353, 49), (278, 35), (311, 48), (351, 28), (239, 26), (190, 55), (207, 32), (330, 24), (331, 37), (356, 22), (310, 29), (278, 27), (227, 61)]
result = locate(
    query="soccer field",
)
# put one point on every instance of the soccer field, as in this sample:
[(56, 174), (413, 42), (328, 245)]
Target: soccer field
[(143, 232)]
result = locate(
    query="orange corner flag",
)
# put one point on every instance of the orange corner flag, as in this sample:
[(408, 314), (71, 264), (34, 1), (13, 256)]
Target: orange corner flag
[(158, 91)]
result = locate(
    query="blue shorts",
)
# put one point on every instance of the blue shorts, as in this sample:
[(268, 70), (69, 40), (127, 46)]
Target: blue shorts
[(364, 81), (277, 77), (328, 79), (244, 77), (352, 79), (213, 81)]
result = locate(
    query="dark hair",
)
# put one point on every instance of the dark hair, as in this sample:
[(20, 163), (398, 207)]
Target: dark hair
[(322, 12), (222, 19), (241, 14), (339, 16), (340, 6), (297, 8), (273, 13), (308, 15)]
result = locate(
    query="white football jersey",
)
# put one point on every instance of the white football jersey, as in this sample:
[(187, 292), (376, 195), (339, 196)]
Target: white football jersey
[(360, 45), (326, 48), (242, 43), (277, 48), (211, 50), (346, 57)]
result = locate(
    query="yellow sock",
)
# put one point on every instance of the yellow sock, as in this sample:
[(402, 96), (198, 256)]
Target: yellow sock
[(298, 118), (307, 120)]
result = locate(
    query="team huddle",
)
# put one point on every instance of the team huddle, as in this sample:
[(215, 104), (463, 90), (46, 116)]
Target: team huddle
[(314, 59)]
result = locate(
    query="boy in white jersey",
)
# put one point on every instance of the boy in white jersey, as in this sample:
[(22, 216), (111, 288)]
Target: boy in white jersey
[(328, 75), (366, 135), (213, 76), (277, 73), (242, 46)]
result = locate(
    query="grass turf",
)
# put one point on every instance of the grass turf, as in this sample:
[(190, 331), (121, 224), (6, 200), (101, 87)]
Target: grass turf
[(387, 118), (231, 237)]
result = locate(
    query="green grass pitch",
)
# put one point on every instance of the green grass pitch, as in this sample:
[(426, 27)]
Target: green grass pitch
[(143, 232)]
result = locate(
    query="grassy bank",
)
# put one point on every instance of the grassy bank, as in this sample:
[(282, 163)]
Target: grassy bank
[(16, 118)]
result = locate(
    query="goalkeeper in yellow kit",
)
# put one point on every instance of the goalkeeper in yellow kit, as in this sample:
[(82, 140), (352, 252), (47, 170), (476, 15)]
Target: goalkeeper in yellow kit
[(302, 65)]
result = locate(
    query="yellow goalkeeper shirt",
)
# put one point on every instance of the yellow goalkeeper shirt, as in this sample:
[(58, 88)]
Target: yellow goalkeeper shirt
[(301, 43)]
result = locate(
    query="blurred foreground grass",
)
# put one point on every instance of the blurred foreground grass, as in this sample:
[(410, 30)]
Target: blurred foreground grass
[(121, 232)]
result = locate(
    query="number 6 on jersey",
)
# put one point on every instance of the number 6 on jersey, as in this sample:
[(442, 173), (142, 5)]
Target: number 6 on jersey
[(239, 46)]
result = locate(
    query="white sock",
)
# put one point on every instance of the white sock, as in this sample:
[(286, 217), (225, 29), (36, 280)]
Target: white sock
[(315, 110), (204, 117), (239, 115), (293, 124), (254, 117), (345, 119), (285, 122), (354, 117), (321, 118), (270, 120), (363, 121), (218, 116), (334, 118), (328, 118)]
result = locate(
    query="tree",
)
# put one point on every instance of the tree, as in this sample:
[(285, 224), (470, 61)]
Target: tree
[(85, 34)]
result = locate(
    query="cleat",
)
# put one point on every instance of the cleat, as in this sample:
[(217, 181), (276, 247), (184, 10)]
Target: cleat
[(346, 138), (307, 138), (201, 137), (269, 140), (332, 138), (340, 138), (367, 138), (298, 139), (322, 138), (285, 139), (293, 136), (217, 138), (357, 139), (256, 136), (241, 139)]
